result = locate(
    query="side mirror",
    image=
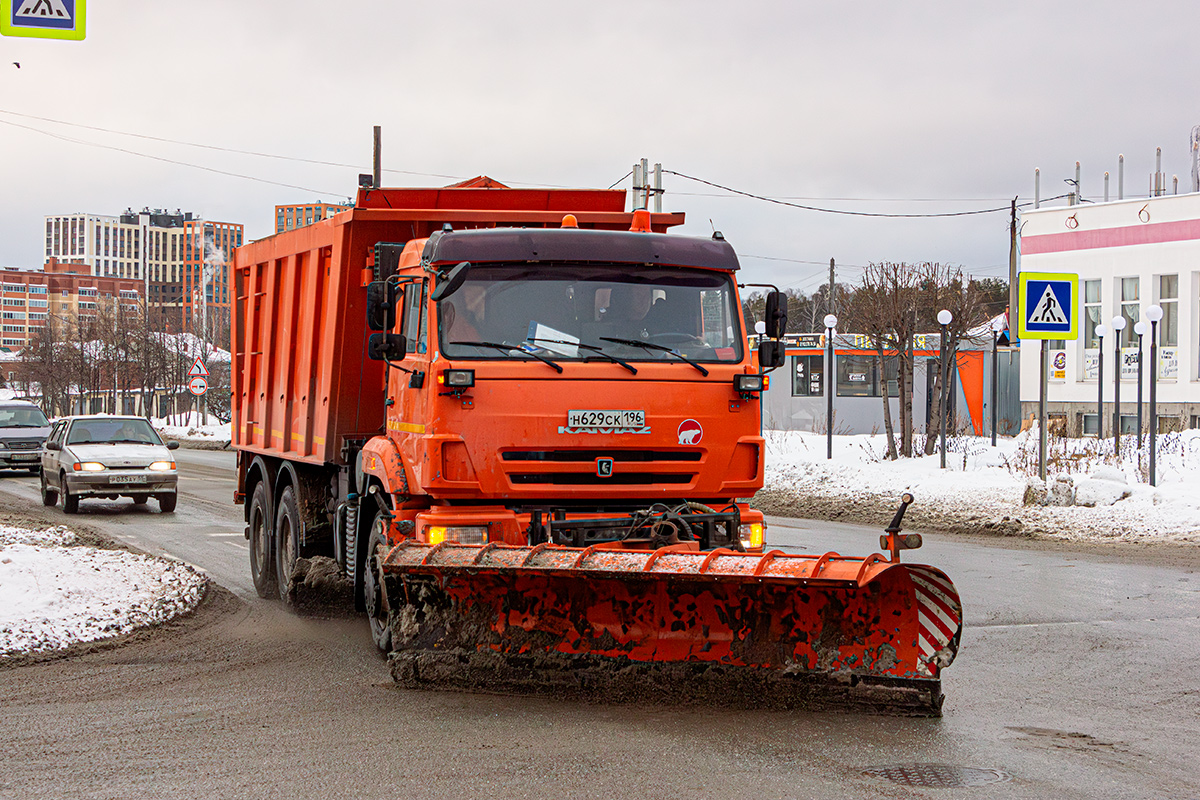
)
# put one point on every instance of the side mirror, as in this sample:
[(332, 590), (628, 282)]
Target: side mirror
[(54, 445), (172, 445), (381, 305), (386, 347), (450, 282), (776, 314), (771, 354)]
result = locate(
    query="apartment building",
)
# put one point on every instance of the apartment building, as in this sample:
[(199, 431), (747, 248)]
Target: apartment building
[(297, 216), (62, 292)]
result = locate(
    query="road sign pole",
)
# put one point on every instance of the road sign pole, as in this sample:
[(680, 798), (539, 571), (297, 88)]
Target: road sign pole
[(1042, 438)]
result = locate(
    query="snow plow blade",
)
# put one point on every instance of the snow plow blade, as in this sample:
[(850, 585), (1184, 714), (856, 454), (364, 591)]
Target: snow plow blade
[(676, 624)]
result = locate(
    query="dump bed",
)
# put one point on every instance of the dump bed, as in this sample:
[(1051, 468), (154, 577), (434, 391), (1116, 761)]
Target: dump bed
[(301, 382)]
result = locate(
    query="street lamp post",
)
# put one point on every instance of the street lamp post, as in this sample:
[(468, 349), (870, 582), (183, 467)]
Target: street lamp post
[(831, 322), (1154, 313), (944, 317), (1139, 328), (997, 327), (1101, 332), (1118, 325)]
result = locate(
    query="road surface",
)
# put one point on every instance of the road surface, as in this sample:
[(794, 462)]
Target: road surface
[(1076, 679)]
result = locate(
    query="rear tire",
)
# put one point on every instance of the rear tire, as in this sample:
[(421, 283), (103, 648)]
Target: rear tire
[(166, 502), (70, 501), (49, 496), (379, 615), (262, 548), (287, 542)]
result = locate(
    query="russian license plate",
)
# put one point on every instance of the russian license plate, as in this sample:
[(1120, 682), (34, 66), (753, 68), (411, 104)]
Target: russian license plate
[(25, 456), (127, 479), (606, 419)]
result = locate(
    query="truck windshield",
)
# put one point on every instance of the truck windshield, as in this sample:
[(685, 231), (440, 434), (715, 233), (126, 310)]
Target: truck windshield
[(568, 311)]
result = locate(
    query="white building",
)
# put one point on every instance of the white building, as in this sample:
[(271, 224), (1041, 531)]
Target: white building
[(1129, 255)]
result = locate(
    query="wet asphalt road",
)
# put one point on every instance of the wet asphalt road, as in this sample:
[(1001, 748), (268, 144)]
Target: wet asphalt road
[(1077, 678)]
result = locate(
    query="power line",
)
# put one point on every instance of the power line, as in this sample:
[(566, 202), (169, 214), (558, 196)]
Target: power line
[(835, 210)]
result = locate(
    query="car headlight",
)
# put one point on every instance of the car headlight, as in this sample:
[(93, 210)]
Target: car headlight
[(88, 466), (752, 536), (467, 534), (162, 466)]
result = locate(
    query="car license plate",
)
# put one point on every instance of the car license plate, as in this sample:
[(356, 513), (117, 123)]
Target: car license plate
[(24, 456), (606, 419), (127, 479)]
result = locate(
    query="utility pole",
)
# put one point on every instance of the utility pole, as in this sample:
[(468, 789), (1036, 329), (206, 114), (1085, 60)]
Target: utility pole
[(831, 303), (1012, 270), (377, 172)]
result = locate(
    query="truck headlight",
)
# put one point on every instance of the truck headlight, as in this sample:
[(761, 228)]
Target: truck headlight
[(752, 536), (465, 534)]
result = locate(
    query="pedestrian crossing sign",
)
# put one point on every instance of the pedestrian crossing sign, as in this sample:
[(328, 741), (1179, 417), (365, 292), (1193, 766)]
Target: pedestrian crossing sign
[(43, 19), (1049, 304)]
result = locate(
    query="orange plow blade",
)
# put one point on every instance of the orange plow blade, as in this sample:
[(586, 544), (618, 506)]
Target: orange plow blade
[(772, 630)]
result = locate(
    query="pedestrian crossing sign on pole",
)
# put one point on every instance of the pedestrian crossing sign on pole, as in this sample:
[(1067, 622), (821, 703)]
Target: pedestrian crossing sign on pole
[(1049, 305), (43, 19)]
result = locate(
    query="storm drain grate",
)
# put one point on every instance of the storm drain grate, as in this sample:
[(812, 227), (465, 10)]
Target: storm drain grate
[(938, 775)]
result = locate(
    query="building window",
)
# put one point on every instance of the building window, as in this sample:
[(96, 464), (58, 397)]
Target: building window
[(1130, 310), (1088, 428), (808, 376), (858, 376), (1092, 313), (1168, 300)]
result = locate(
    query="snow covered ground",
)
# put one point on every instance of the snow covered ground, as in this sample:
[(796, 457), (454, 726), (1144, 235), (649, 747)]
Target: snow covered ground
[(55, 592), (1090, 493), (191, 428)]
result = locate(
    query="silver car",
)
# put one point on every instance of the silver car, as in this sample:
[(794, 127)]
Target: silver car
[(23, 428), (107, 456)]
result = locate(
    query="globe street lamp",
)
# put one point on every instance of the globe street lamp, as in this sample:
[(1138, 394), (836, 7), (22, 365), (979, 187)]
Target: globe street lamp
[(1118, 325), (1140, 328), (830, 382), (997, 327), (1154, 314), (944, 318), (1101, 332)]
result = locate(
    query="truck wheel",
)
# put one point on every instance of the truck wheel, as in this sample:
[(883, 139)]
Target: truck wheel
[(70, 501), (49, 496), (287, 542), (262, 551), (379, 615)]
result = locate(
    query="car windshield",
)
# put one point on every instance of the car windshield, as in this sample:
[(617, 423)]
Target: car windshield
[(569, 311), (99, 430), (23, 418)]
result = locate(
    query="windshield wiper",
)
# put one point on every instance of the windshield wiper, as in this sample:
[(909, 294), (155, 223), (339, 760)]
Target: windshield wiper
[(591, 348), (658, 347), (509, 348)]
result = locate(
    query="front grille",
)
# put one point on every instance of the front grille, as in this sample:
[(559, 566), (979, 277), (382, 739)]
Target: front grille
[(29, 444), (591, 479), (582, 456)]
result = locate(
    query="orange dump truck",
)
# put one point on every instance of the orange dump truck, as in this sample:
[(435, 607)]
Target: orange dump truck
[(520, 422)]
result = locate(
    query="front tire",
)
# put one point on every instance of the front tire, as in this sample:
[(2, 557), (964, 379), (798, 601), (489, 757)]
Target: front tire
[(262, 549), (49, 496), (287, 542), (166, 502), (379, 614), (70, 501)]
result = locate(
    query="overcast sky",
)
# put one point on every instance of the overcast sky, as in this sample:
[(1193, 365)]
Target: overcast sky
[(919, 108)]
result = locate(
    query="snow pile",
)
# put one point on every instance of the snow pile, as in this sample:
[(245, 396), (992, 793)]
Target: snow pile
[(54, 592), (191, 428), (1090, 492)]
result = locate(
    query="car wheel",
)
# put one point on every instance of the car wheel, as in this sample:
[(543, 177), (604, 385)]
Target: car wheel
[(34, 470), (166, 502), (49, 496), (70, 501), (287, 542), (262, 550), (140, 499), (379, 615)]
